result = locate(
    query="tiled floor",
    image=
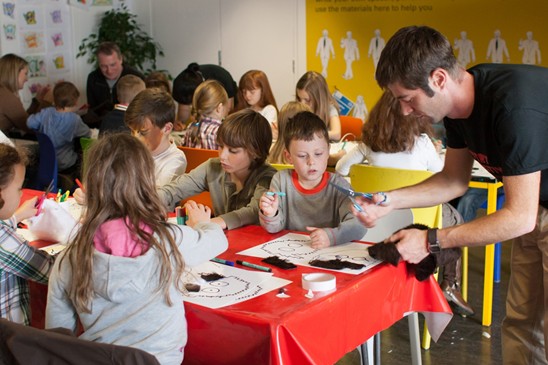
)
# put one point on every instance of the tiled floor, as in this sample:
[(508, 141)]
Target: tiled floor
[(465, 340)]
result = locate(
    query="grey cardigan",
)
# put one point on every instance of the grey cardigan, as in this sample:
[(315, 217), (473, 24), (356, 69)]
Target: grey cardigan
[(236, 208)]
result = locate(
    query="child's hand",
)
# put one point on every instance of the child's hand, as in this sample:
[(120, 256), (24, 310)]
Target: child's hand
[(318, 237), (197, 213), (269, 204), (79, 196), (26, 210)]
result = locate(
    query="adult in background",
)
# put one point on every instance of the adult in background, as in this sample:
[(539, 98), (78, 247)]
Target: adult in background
[(498, 115), (188, 80), (13, 76), (101, 84)]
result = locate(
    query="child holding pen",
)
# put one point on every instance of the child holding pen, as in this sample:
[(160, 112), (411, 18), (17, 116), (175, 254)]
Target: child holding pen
[(19, 261), (309, 201), (237, 179), (121, 275)]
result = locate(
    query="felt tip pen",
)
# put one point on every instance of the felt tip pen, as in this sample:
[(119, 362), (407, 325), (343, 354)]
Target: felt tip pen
[(253, 266), (272, 193), (79, 183), (222, 261), (343, 146)]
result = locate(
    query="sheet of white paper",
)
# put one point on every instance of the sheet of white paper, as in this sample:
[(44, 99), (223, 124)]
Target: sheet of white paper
[(75, 209), (236, 286), (295, 248)]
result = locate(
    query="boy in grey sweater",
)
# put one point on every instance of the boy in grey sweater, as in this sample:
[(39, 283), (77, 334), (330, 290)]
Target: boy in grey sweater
[(302, 198)]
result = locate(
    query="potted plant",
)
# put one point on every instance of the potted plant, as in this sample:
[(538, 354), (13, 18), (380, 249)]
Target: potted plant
[(120, 26)]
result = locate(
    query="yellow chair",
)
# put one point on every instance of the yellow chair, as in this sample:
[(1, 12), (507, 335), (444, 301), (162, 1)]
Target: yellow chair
[(195, 157), (372, 179), (281, 166)]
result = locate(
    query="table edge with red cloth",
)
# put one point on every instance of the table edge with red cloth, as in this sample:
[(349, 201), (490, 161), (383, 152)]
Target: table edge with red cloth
[(298, 330)]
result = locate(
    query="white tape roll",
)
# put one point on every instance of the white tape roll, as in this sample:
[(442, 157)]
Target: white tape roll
[(319, 282)]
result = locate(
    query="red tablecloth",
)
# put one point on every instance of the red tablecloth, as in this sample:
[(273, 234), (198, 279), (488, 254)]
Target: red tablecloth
[(298, 330)]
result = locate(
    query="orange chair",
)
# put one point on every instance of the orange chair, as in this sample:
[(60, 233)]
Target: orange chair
[(195, 157), (351, 127)]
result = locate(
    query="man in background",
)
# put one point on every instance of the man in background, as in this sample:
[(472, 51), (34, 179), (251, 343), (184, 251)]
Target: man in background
[(101, 83)]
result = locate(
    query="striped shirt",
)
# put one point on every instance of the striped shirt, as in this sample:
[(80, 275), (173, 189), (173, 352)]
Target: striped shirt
[(19, 262)]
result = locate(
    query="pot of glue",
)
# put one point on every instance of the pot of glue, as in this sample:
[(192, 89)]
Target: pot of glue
[(318, 282)]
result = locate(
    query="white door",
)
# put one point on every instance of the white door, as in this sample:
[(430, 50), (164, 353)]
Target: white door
[(261, 35)]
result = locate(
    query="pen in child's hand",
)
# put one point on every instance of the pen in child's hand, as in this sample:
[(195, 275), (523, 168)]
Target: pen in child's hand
[(343, 146), (79, 183), (272, 193)]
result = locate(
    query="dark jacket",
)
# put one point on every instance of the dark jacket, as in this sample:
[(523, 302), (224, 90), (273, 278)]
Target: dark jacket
[(100, 98)]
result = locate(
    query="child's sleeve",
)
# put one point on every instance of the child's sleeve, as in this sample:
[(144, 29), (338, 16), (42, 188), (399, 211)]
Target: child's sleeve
[(34, 121), (18, 258), (277, 222), (354, 156), (184, 186), (201, 243), (249, 214), (59, 309), (82, 130), (350, 228)]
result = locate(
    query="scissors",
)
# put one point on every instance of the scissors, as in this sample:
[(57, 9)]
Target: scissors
[(352, 195), (40, 200)]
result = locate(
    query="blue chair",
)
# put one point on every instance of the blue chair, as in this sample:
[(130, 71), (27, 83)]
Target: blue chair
[(498, 245), (47, 165)]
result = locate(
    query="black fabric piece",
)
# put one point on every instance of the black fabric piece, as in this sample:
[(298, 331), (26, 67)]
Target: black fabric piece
[(212, 276), (336, 264), (388, 252)]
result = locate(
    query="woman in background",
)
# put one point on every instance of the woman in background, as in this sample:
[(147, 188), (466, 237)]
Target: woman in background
[(13, 76)]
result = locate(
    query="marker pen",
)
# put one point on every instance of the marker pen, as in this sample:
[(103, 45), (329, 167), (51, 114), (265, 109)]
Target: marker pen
[(272, 193), (253, 266), (222, 261)]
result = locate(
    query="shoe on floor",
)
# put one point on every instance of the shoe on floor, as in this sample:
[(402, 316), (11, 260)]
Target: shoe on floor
[(455, 299)]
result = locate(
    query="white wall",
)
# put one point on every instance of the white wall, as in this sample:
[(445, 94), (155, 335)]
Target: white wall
[(196, 30)]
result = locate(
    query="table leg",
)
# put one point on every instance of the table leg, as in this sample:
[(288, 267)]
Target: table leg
[(489, 262)]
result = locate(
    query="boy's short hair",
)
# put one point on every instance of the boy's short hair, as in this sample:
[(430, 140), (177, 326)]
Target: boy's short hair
[(65, 94), (128, 87), (304, 126), (158, 79), (154, 104), (250, 130)]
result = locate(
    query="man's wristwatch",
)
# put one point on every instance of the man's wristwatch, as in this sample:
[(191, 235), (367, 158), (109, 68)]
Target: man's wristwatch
[(433, 243)]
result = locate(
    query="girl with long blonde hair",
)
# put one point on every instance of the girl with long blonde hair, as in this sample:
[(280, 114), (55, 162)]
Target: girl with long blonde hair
[(121, 274)]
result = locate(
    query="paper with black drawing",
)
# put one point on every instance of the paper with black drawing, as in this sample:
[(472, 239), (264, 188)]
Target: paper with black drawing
[(236, 286), (296, 248)]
